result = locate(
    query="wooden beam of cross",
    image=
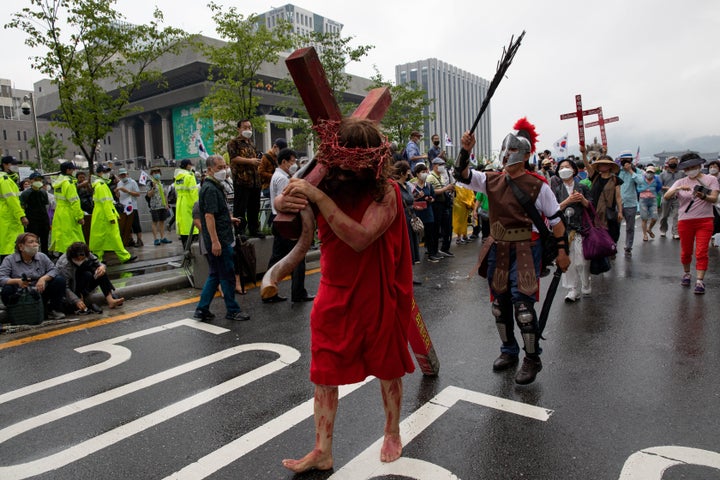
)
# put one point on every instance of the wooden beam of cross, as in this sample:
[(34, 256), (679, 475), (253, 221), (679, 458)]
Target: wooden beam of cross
[(309, 76), (602, 121), (579, 113)]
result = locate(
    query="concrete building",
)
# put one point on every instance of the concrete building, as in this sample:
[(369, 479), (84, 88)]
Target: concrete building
[(456, 97), (17, 128), (303, 21), (164, 128)]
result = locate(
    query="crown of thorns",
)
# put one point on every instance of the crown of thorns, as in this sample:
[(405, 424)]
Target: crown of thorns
[(356, 159)]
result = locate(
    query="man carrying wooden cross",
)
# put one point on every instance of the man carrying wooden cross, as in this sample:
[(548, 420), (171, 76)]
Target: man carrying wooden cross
[(361, 315)]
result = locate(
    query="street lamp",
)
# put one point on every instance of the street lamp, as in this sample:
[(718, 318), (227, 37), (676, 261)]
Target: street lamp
[(28, 107)]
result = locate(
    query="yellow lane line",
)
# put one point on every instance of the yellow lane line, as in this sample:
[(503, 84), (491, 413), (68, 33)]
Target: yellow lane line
[(106, 321)]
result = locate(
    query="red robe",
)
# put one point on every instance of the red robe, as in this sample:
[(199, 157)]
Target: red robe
[(360, 318)]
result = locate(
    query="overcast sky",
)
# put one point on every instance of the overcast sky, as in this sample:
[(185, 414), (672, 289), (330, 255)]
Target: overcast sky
[(655, 64)]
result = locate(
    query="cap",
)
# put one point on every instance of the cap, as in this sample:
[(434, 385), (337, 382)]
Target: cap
[(650, 168), (11, 160), (690, 160), (185, 162), (65, 166), (281, 143), (122, 171), (155, 169), (102, 169), (438, 161), (35, 175), (547, 161)]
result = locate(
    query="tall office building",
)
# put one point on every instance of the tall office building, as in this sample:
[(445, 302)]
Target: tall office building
[(456, 96), (303, 21)]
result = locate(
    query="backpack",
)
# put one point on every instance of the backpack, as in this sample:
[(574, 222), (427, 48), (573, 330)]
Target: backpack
[(404, 155)]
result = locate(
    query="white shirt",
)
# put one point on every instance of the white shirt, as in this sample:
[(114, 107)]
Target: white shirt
[(278, 182), (126, 198)]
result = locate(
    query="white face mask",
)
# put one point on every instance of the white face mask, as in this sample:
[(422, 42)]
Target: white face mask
[(14, 168), (441, 169), (31, 249), (247, 134), (220, 175), (78, 262), (293, 168), (693, 172), (37, 185), (649, 175), (566, 173), (713, 170), (422, 176)]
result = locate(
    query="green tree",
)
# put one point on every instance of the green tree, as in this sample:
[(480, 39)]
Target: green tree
[(235, 66), (335, 54), (406, 112), (97, 65), (51, 148)]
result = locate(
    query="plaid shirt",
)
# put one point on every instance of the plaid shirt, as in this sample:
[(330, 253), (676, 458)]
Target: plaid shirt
[(243, 175)]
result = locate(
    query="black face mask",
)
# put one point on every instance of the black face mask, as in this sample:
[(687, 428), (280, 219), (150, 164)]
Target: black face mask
[(672, 166), (436, 143)]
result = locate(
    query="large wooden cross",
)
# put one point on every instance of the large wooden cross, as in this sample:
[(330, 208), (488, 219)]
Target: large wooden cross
[(309, 76), (579, 113), (602, 121)]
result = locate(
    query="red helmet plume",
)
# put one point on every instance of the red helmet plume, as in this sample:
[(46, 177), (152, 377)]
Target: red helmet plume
[(527, 130)]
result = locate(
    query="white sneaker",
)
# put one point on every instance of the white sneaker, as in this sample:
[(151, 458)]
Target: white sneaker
[(55, 315), (571, 296), (586, 291)]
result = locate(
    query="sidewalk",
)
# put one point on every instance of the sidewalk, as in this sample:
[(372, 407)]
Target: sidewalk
[(155, 271)]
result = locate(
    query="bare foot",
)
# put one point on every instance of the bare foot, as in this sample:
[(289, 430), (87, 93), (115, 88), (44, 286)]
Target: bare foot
[(115, 302), (315, 459), (391, 448)]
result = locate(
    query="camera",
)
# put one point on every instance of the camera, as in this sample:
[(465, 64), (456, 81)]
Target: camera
[(702, 189)]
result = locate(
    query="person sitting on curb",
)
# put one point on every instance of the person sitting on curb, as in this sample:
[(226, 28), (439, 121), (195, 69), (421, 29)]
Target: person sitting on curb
[(28, 267), (84, 273)]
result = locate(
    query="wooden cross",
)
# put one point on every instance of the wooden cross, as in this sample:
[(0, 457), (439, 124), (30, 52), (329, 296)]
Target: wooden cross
[(309, 76), (602, 121), (579, 113)]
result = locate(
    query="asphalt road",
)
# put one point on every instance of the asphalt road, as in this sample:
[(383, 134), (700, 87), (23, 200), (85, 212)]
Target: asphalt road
[(629, 389)]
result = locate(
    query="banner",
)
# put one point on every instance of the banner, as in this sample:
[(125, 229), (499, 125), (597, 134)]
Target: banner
[(187, 130)]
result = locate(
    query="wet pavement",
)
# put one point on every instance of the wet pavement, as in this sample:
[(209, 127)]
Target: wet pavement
[(629, 388)]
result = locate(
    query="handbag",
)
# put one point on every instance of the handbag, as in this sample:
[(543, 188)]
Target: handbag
[(417, 225), (596, 242)]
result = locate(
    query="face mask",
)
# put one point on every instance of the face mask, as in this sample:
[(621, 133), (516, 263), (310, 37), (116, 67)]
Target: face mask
[(293, 168), (220, 175), (31, 249), (713, 170), (441, 169), (422, 176), (14, 168), (37, 185), (649, 175), (436, 143), (566, 173), (78, 262), (106, 176), (672, 165), (692, 173), (157, 176), (247, 134)]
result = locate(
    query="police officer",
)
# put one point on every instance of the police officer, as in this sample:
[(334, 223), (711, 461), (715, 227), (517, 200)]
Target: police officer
[(187, 194), (104, 231), (12, 215), (69, 217)]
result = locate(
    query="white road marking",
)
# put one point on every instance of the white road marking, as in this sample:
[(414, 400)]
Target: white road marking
[(368, 465), (651, 463), (118, 355), (234, 450), (287, 354)]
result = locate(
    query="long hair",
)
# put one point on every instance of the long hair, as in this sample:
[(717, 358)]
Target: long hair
[(362, 133)]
